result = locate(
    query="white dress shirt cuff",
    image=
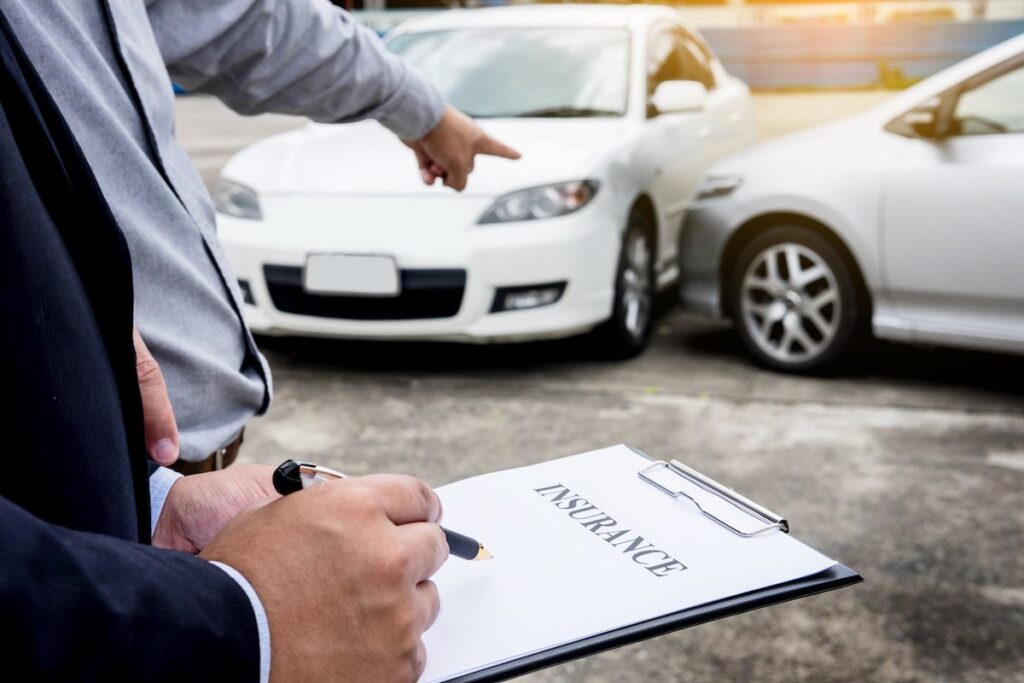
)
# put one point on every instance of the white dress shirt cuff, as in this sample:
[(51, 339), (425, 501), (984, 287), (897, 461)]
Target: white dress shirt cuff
[(262, 626), (160, 483)]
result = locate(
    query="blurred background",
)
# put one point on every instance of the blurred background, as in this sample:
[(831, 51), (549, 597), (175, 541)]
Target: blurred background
[(807, 43), (906, 462)]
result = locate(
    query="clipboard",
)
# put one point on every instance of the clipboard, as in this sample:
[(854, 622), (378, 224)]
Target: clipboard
[(660, 475), (838, 576)]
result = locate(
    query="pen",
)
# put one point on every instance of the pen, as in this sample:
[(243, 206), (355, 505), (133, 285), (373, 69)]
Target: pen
[(293, 476)]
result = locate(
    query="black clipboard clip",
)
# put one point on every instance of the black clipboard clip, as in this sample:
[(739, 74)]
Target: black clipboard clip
[(770, 520)]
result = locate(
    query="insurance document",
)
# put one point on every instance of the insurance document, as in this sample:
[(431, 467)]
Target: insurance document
[(583, 546)]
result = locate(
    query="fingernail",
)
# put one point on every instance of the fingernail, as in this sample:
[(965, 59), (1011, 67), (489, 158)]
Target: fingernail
[(165, 452)]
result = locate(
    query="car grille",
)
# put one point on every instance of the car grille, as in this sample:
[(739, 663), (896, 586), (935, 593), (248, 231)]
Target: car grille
[(425, 294)]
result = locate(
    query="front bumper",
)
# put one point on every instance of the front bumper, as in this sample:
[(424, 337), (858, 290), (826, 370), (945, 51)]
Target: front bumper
[(702, 240), (433, 242)]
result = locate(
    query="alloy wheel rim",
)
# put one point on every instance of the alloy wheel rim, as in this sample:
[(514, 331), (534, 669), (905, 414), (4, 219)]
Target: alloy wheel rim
[(790, 303), (636, 285)]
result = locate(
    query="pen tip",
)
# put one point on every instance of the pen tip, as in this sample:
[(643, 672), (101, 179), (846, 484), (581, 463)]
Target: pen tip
[(484, 554)]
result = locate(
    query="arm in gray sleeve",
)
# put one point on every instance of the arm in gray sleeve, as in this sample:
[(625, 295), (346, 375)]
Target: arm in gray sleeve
[(304, 57)]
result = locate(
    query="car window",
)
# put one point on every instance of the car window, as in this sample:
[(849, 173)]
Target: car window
[(700, 61), (995, 106), (663, 64), (675, 56)]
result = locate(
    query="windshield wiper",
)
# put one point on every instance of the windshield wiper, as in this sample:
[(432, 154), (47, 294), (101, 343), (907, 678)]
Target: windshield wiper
[(567, 113)]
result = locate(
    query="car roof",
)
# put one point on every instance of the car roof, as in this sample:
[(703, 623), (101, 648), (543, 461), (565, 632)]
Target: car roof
[(544, 16)]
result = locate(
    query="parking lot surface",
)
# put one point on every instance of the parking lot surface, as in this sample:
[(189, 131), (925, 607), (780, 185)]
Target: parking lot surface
[(909, 467)]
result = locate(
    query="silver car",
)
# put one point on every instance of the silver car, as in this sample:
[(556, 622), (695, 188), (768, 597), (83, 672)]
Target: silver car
[(906, 221)]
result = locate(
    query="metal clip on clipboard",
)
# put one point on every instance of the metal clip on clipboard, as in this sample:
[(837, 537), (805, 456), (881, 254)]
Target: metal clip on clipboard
[(771, 520)]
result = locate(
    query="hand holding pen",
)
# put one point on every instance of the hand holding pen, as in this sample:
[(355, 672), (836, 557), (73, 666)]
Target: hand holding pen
[(343, 575), (292, 476)]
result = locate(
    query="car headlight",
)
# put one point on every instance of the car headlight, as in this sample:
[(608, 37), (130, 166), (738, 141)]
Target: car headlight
[(546, 201), (718, 186), (237, 200)]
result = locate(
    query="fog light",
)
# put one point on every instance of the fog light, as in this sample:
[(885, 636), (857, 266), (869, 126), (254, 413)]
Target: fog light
[(246, 292), (528, 296)]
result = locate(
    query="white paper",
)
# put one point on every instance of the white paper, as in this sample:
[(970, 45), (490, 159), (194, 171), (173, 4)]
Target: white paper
[(553, 580)]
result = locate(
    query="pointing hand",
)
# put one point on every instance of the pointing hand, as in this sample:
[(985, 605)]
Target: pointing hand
[(449, 150)]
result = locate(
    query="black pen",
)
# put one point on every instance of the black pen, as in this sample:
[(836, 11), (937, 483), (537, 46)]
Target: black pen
[(293, 476)]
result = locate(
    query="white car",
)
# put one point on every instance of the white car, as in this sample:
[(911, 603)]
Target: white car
[(618, 111), (907, 221)]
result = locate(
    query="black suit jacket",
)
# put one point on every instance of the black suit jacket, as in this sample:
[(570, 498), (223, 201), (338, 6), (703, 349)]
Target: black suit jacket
[(82, 594)]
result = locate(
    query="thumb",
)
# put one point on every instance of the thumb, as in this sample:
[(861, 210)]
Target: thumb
[(157, 414), (488, 145)]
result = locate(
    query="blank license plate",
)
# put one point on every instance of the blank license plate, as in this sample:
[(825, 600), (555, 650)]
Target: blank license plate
[(353, 274)]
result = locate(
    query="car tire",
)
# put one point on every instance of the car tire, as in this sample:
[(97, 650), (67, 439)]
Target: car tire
[(628, 331), (795, 300)]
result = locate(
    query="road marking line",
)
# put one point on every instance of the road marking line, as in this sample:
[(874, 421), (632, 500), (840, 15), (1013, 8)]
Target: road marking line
[(1013, 461)]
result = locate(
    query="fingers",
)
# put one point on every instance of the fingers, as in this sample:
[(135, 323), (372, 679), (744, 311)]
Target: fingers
[(456, 179), (426, 546), (404, 499), (158, 416), (427, 166), (420, 662), (448, 151), (494, 148), (458, 176), (428, 606), (428, 600)]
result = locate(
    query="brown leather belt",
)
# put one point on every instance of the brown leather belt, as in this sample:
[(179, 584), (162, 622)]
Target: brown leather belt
[(218, 460)]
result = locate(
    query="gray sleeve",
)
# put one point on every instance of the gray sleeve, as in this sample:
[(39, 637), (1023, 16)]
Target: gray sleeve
[(304, 57)]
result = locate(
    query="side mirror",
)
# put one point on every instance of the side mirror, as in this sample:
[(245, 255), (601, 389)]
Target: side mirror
[(923, 121), (679, 96)]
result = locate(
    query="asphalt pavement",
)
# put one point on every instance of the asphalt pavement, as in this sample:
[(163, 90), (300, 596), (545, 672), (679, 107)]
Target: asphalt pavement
[(908, 467)]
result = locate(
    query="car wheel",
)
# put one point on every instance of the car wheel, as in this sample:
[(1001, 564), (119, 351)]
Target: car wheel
[(794, 299), (628, 331)]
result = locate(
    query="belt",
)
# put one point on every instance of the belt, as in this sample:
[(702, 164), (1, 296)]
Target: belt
[(218, 460)]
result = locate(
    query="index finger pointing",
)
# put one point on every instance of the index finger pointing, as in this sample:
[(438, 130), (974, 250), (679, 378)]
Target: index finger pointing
[(489, 145), (405, 499)]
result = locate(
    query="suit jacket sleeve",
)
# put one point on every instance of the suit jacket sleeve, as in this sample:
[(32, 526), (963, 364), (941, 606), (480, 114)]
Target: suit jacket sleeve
[(83, 606)]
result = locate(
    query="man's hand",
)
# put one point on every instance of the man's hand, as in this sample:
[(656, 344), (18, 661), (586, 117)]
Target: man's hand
[(341, 570), (448, 151), (157, 413), (200, 505)]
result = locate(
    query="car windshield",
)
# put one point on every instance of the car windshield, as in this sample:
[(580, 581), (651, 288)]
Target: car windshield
[(524, 72)]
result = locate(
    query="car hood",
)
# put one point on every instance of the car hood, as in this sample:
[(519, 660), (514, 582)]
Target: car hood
[(832, 143), (366, 159), (858, 141)]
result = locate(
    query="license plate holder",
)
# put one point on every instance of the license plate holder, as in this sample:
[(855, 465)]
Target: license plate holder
[(369, 275)]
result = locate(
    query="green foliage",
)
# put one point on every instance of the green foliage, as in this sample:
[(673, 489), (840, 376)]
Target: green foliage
[(892, 77)]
